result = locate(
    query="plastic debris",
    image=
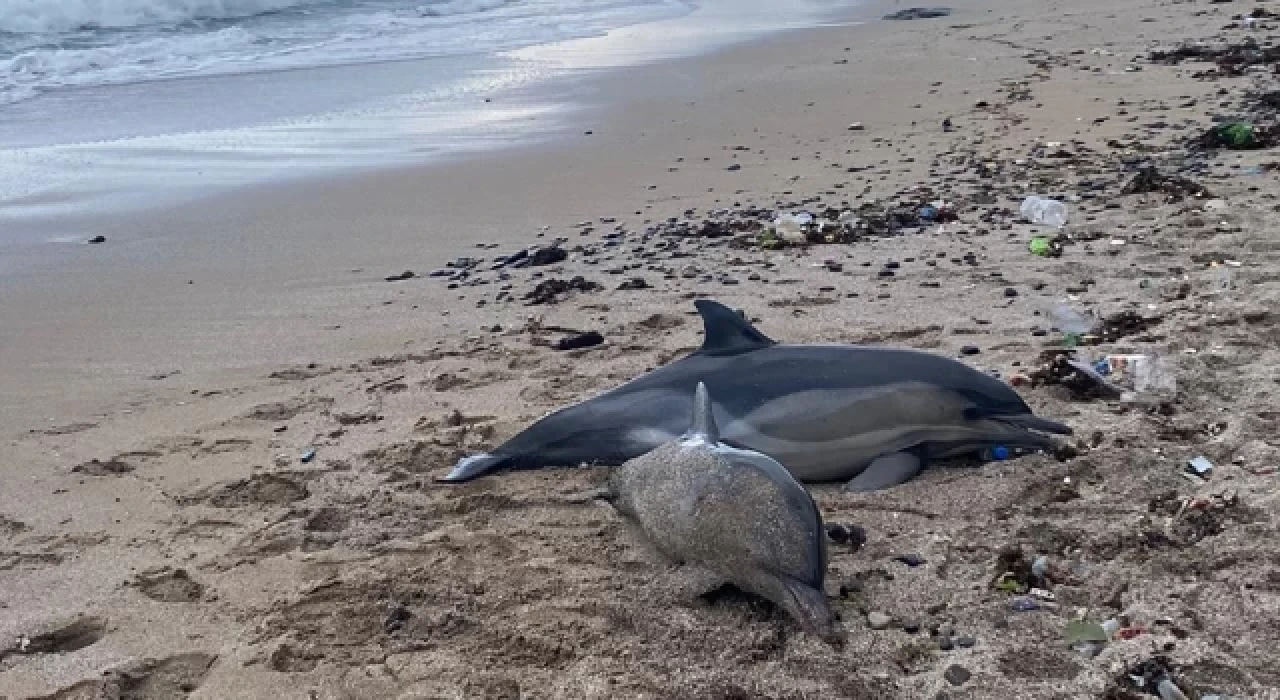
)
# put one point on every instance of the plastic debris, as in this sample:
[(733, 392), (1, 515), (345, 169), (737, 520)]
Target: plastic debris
[(1081, 631), (1042, 246), (1232, 135), (1044, 211), (1040, 567), (1072, 323), (1200, 466), (1024, 604), (1169, 690), (307, 455), (794, 227)]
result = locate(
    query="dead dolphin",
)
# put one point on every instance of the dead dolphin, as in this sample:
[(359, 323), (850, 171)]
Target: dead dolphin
[(735, 514), (871, 415)]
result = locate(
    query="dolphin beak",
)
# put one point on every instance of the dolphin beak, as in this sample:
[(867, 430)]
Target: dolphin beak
[(471, 467)]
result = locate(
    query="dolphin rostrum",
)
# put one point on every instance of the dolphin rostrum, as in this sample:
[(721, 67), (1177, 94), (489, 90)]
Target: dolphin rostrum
[(870, 415)]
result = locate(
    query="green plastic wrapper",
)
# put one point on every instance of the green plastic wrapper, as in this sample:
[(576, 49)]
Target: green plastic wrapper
[(1040, 246)]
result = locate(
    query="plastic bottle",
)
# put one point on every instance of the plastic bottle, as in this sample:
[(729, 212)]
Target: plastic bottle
[(793, 227), (1044, 211), (1072, 323)]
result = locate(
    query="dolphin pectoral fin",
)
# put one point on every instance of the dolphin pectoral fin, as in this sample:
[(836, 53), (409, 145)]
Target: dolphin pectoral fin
[(728, 333), (886, 471), (809, 607), (471, 467)]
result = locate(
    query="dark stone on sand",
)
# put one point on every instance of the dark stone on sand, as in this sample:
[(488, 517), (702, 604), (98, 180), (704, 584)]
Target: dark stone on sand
[(1010, 292), (734, 167), (547, 256), (397, 615), (911, 626), (919, 13), (406, 275), (945, 644), (98, 239), (551, 290), (634, 283), (957, 674), (970, 350), (911, 559), (581, 340), (966, 641)]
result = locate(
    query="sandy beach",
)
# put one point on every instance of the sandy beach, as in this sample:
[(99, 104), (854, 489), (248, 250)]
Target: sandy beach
[(219, 447)]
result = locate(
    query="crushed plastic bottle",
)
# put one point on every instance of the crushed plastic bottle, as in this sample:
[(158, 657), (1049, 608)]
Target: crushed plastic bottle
[(1072, 323), (1044, 211), (793, 227)]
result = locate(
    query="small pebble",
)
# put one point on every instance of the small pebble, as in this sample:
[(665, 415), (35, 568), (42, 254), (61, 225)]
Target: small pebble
[(945, 644), (957, 674), (966, 641), (970, 350), (878, 620), (911, 559)]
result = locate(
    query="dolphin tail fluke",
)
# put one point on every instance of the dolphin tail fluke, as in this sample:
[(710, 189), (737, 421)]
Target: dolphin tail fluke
[(809, 607), (473, 466), (703, 426)]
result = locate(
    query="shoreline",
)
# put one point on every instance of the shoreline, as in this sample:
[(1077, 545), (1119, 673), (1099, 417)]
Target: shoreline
[(150, 146)]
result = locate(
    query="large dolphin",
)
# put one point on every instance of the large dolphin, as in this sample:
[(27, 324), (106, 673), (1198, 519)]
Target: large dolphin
[(870, 415)]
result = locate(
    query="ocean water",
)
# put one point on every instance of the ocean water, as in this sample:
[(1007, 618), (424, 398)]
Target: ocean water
[(122, 105), (47, 45)]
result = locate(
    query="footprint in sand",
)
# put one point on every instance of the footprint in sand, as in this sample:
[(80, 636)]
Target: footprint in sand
[(61, 637), (168, 585), (122, 463), (259, 489), (152, 679), (285, 410)]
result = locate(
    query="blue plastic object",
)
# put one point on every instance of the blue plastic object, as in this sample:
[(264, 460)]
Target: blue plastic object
[(1102, 367), (928, 213), (999, 453)]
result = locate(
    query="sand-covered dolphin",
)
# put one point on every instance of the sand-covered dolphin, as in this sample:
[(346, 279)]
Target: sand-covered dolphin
[(734, 514), (871, 415)]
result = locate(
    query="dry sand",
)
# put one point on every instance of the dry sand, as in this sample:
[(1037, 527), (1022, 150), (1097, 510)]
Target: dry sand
[(161, 538)]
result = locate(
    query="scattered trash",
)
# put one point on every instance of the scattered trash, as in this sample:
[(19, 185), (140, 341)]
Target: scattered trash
[(1040, 566), (1200, 466), (1175, 188), (1082, 631), (1237, 136), (307, 455), (1045, 247), (406, 275), (1044, 211), (1024, 604), (550, 291), (1073, 324), (793, 228)]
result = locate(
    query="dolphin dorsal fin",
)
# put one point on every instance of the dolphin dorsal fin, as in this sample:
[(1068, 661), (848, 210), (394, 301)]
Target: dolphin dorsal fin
[(704, 421), (727, 332)]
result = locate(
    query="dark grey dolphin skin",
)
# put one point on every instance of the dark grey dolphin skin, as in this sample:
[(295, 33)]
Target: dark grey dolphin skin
[(870, 415)]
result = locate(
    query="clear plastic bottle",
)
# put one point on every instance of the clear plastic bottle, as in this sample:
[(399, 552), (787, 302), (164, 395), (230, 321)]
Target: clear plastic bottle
[(1044, 211)]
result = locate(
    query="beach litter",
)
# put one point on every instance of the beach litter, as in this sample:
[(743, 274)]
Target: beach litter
[(1043, 211), (1200, 466)]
